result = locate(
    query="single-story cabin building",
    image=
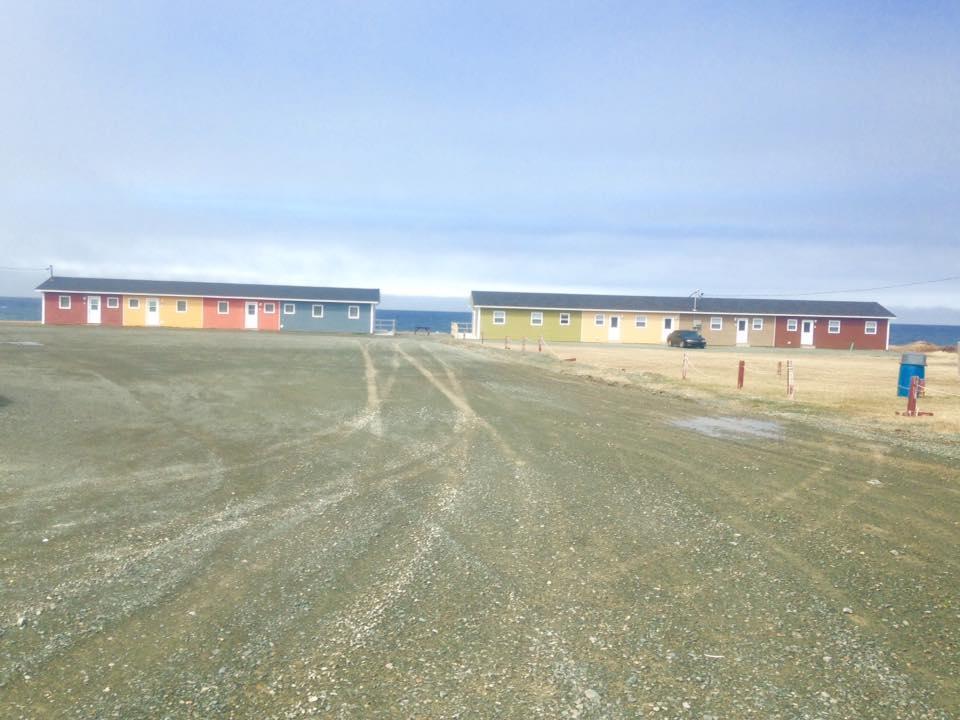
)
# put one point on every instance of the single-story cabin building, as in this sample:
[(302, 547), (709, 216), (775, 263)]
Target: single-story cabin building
[(650, 319), (178, 304)]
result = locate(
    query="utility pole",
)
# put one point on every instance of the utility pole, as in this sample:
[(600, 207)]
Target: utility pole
[(696, 295)]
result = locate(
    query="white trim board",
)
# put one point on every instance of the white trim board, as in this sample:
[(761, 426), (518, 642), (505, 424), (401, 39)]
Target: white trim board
[(683, 312), (223, 297)]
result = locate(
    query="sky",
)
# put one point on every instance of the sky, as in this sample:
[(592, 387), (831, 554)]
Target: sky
[(429, 149)]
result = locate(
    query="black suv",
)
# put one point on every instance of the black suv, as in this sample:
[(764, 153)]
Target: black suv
[(686, 338)]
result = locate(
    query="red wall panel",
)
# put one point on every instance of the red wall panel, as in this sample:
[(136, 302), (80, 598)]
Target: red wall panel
[(851, 332), (234, 319), (109, 315), (54, 315)]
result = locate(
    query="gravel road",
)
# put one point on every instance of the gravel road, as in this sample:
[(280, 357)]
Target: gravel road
[(201, 524)]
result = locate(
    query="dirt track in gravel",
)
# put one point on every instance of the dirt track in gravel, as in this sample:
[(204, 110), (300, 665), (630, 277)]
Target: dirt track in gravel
[(199, 524)]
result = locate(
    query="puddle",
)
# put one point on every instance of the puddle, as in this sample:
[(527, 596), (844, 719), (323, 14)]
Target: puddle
[(26, 343), (732, 427)]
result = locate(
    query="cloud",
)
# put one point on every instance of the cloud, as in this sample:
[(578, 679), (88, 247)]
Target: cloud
[(435, 149)]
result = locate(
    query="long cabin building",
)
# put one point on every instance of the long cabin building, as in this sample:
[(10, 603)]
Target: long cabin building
[(235, 306), (650, 319)]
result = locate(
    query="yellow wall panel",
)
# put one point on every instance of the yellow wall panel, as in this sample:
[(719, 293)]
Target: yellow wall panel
[(133, 317), (191, 317), (651, 333)]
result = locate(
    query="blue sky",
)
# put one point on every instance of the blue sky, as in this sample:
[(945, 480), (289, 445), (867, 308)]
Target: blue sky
[(432, 148)]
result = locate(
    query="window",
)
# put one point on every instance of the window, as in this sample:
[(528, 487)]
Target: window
[(113, 303), (716, 323), (289, 308), (133, 303), (499, 317), (64, 302), (599, 319), (834, 327), (181, 306), (536, 318), (223, 307), (870, 327), (758, 323), (641, 321), (792, 325), (269, 308), (317, 311), (564, 318), (353, 312)]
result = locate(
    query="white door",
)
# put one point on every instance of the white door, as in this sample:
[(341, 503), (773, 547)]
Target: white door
[(153, 311), (93, 309), (667, 328), (613, 333), (806, 332), (742, 338), (250, 317)]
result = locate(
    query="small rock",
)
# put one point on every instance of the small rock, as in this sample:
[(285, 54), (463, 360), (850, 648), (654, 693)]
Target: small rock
[(591, 695), (312, 698), (874, 481), (848, 611), (22, 621)]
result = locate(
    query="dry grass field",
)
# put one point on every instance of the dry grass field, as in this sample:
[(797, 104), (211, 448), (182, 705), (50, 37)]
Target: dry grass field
[(852, 385)]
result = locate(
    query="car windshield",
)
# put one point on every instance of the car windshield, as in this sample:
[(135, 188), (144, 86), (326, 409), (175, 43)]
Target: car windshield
[(689, 334)]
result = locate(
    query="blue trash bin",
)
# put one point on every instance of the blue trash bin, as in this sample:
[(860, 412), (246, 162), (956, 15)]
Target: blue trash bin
[(911, 365)]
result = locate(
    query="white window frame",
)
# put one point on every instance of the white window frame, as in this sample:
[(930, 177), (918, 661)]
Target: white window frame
[(536, 318), (757, 324), (867, 325), (314, 313), (269, 308), (289, 308), (716, 323), (353, 312), (69, 304), (831, 325), (793, 324), (113, 303), (223, 307), (185, 306), (641, 321), (499, 317), (564, 318), (133, 303), (599, 319)]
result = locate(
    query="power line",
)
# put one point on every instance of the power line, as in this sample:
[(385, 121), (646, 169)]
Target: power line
[(851, 290)]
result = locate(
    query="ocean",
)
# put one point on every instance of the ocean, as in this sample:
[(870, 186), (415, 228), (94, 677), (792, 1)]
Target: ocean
[(20, 308), (436, 320), (903, 333)]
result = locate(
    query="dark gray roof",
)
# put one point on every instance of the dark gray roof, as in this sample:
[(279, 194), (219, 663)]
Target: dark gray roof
[(209, 289), (705, 305)]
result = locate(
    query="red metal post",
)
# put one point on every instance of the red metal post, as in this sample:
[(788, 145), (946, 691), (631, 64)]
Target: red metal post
[(791, 385), (540, 344), (912, 397), (683, 367), (779, 368), (743, 364)]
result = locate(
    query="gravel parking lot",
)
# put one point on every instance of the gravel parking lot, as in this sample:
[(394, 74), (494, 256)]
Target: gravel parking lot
[(201, 524)]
